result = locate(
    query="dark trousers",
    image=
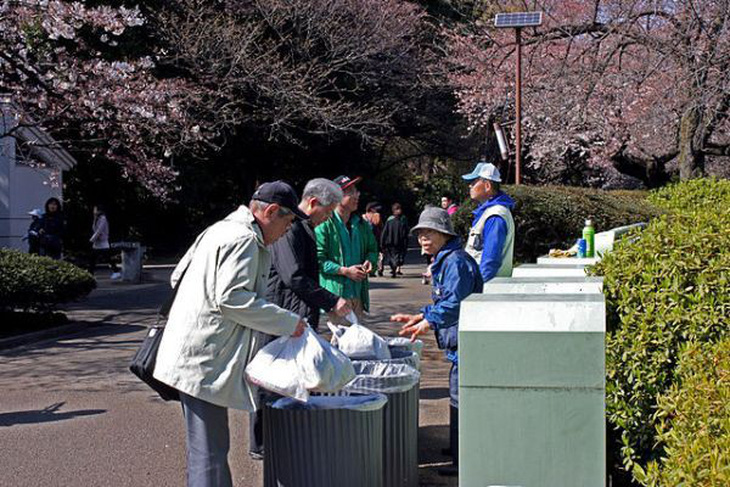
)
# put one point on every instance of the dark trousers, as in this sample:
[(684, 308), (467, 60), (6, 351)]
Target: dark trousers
[(394, 257), (102, 255), (256, 423), (454, 411)]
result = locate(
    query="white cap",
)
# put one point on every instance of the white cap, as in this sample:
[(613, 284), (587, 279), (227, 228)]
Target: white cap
[(484, 170)]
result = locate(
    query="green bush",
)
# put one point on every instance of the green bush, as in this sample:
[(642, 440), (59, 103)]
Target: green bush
[(694, 421), (553, 216), (669, 288), (30, 282), (697, 194)]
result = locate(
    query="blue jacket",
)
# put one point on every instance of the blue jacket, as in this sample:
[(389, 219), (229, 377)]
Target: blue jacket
[(455, 275), (494, 235)]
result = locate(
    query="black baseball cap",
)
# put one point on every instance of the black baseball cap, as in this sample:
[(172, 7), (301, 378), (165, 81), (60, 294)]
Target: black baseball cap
[(345, 182), (282, 194)]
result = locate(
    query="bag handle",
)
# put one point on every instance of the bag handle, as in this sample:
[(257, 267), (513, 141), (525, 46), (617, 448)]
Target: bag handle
[(167, 305)]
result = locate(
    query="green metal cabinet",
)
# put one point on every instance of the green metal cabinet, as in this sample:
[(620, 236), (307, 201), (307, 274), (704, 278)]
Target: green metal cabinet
[(531, 390)]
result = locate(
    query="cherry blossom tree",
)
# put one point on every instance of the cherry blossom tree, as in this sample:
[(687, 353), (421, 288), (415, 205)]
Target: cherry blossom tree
[(65, 67), (139, 85), (626, 86)]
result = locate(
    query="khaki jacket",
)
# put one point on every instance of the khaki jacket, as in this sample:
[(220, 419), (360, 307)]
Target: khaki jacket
[(220, 317)]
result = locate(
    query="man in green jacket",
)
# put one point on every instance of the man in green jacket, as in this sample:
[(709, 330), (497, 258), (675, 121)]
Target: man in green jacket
[(346, 249)]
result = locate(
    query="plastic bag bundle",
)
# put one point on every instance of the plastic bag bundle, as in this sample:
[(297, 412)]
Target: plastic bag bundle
[(293, 366), (359, 343)]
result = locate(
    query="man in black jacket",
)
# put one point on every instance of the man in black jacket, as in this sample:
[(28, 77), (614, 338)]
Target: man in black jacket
[(294, 276)]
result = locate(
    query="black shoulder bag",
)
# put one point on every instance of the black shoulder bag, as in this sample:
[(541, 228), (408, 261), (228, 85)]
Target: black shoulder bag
[(143, 362)]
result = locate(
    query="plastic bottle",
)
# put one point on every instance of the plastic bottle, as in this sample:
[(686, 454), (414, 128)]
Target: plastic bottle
[(589, 234)]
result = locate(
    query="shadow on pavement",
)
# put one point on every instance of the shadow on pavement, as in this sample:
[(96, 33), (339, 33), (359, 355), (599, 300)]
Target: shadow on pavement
[(90, 338), (431, 439), (47, 415), (434, 393)]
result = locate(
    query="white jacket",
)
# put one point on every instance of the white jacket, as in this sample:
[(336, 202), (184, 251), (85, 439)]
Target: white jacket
[(216, 323), (100, 238)]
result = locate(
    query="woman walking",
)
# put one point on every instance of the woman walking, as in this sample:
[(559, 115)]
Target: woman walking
[(100, 248)]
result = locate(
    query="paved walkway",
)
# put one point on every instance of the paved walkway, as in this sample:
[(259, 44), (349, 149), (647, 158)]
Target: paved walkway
[(72, 415)]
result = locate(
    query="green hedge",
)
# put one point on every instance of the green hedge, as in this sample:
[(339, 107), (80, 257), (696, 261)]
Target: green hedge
[(553, 216), (695, 195), (670, 287), (694, 421), (30, 282)]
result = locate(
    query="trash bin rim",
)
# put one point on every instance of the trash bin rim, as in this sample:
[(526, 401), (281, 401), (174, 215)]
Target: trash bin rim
[(360, 403)]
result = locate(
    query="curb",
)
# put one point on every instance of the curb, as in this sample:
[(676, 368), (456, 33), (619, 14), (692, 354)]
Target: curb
[(38, 336)]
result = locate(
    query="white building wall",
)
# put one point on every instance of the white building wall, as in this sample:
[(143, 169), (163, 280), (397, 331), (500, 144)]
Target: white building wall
[(30, 188)]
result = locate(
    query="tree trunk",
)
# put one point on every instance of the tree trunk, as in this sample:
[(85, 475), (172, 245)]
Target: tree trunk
[(691, 160), (652, 171)]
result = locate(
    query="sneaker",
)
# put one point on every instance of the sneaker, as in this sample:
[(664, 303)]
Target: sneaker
[(115, 276)]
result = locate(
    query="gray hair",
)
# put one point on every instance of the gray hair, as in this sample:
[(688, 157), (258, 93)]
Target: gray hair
[(327, 192), (258, 205)]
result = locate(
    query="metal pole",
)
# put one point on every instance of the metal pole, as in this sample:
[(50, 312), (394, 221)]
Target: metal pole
[(518, 108)]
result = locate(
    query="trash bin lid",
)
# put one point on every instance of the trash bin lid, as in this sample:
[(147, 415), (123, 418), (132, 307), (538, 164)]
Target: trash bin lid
[(366, 402)]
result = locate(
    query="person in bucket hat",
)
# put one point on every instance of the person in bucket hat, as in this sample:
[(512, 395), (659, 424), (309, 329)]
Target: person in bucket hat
[(346, 250), (492, 236), (455, 275)]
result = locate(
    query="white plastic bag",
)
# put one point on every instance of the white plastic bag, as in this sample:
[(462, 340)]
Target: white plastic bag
[(358, 342), (293, 366)]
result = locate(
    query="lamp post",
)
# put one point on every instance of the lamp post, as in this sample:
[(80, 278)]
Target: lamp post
[(517, 21)]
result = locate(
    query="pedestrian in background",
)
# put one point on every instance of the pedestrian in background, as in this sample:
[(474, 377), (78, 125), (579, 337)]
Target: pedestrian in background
[(52, 228), (33, 236), (456, 275), (100, 248), (394, 240), (375, 220), (448, 204), (219, 320), (346, 250)]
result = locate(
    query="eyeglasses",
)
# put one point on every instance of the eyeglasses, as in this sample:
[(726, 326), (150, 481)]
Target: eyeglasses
[(474, 182)]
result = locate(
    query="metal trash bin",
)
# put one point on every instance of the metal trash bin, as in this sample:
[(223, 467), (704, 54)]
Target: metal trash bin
[(132, 257), (329, 441), (399, 382)]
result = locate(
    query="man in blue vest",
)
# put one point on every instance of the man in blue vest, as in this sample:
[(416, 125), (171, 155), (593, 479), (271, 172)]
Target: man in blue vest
[(492, 236)]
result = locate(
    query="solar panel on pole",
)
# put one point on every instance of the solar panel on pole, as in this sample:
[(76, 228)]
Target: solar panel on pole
[(518, 19)]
